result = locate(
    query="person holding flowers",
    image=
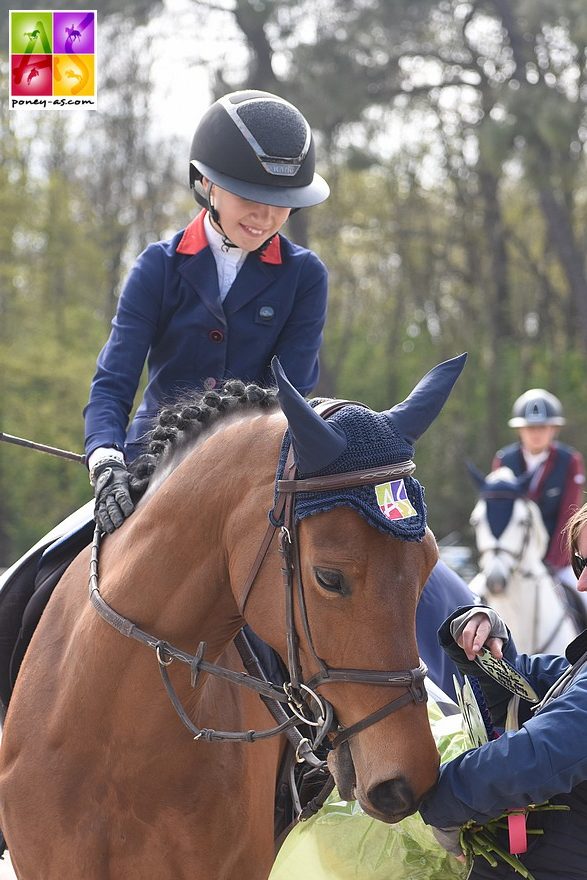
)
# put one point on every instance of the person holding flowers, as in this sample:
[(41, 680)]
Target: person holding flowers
[(538, 771)]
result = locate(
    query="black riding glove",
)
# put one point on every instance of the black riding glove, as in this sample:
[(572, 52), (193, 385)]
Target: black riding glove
[(111, 490)]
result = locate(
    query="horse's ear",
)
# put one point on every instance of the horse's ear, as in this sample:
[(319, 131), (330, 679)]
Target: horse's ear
[(417, 412), (316, 442), (476, 475)]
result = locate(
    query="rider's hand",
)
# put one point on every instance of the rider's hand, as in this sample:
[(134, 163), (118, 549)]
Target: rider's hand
[(449, 839), (111, 490)]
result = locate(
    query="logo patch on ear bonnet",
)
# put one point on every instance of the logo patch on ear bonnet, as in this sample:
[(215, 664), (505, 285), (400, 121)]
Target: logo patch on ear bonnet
[(393, 500)]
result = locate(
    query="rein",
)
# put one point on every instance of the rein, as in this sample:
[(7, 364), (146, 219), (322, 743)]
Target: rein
[(306, 706)]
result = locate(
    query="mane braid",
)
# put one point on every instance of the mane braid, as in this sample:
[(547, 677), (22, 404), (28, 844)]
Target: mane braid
[(182, 423)]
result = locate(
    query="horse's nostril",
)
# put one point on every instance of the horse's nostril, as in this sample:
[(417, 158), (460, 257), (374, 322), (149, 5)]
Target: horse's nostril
[(393, 798)]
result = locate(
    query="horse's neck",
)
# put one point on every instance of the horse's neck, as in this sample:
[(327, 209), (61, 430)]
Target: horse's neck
[(169, 568)]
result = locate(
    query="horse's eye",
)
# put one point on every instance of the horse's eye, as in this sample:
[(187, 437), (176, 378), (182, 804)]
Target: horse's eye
[(330, 580)]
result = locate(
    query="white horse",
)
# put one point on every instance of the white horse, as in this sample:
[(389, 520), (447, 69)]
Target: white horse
[(512, 541)]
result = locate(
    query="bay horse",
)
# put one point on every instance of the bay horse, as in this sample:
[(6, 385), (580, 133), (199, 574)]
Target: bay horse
[(511, 541), (99, 777)]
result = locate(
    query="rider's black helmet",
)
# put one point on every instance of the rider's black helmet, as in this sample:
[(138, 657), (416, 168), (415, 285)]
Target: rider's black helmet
[(536, 407), (259, 147)]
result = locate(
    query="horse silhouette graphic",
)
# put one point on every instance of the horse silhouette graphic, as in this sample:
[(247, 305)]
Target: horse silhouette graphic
[(72, 35), (38, 33)]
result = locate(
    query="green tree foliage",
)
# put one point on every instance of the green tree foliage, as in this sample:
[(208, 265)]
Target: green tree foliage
[(409, 271), (486, 254), (76, 210), (49, 282)]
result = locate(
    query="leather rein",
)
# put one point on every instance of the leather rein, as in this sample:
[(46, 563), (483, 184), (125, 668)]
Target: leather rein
[(306, 706)]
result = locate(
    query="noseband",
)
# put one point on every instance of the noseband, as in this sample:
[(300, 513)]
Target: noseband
[(306, 706)]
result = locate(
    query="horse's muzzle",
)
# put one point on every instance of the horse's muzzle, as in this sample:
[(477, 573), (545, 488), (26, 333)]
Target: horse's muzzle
[(390, 801), (496, 583)]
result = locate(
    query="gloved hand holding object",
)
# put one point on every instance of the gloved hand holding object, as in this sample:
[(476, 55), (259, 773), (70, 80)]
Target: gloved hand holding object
[(111, 490)]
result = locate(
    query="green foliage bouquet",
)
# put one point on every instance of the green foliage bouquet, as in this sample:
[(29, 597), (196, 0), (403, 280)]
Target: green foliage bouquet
[(342, 843)]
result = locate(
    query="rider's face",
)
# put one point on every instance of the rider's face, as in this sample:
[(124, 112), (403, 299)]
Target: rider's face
[(246, 224), (537, 438)]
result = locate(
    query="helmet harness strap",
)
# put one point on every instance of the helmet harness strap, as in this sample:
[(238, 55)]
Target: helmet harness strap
[(226, 242)]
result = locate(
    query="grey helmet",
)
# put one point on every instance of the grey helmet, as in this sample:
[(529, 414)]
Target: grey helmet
[(257, 146), (536, 407)]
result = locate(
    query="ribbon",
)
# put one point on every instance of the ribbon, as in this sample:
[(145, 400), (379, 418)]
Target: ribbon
[(517, 832)]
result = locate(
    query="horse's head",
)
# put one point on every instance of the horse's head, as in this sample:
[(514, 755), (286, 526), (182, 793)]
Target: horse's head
[(358, 553), (509, 530)]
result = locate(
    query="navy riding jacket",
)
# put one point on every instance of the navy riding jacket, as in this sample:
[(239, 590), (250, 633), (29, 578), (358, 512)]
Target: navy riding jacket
[(170, 316), (558, 491), (545, 760)]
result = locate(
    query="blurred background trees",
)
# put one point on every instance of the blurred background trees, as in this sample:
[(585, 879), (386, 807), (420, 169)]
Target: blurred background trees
[(453, 136)]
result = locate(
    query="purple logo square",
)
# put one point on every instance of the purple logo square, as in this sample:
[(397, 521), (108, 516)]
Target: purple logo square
[(74, 32)]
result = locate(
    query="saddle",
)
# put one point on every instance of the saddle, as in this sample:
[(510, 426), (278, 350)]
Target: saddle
[(26, 587)]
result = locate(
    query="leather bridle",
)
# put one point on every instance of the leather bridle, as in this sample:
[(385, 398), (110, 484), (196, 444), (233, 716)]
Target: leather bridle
[(307, 707), (517, 558), (496, 548)]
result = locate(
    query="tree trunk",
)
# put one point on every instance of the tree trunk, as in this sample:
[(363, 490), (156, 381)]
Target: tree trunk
[(499, 296), (571, 260)]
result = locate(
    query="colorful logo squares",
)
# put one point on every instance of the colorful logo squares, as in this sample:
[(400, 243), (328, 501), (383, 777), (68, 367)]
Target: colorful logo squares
[(53, 55)]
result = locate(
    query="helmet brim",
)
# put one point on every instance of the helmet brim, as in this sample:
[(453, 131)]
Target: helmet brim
[(279, 196), (519, 422)]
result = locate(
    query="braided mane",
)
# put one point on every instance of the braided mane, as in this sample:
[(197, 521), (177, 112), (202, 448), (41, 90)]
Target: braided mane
[(181, 424)]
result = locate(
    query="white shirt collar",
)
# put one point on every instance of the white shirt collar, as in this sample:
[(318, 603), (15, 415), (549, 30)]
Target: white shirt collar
[(228, 260), (532, 461), (216, 242)]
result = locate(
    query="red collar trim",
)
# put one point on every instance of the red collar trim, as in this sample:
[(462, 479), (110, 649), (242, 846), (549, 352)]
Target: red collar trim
[(272, 253), (194, 240)]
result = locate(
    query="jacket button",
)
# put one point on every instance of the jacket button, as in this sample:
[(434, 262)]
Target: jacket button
[(216, 335)]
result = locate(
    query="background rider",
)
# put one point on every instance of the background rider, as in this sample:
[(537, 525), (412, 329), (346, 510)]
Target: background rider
[(559, 470)]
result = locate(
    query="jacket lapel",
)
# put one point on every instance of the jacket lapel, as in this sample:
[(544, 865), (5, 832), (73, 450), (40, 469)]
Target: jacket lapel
[(252, 279), (200, 273)]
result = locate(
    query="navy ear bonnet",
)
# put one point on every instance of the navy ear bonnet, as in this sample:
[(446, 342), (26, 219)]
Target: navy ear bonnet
[(354, 438), (372, 441), (499, 496)]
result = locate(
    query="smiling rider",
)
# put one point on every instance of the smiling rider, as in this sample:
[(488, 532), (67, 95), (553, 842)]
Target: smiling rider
[(221, 297)]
